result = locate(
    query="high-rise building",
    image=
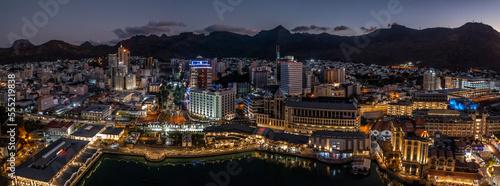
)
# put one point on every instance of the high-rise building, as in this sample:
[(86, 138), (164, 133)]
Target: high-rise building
[(240, 67), (429, 80), (335, 75), (119, 77), (213, 65), (112, 61), (210, 103), (130, 82), (291, 78), (221, 67), (124, 57), (259, 76), (308, 82), (200, 73)]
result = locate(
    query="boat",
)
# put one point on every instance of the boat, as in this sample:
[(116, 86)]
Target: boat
[(361, 165)]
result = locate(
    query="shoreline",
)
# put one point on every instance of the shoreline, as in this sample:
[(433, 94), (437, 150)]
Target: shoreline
[(180, 156)]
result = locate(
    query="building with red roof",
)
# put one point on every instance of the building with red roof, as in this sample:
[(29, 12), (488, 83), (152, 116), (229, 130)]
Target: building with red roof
[(382, 130), (59, 128)]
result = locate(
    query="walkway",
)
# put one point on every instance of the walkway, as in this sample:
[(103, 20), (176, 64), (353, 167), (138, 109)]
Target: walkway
[(494, 151)]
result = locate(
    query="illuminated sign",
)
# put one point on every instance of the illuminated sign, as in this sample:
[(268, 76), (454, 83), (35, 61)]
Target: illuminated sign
[(200, 64)]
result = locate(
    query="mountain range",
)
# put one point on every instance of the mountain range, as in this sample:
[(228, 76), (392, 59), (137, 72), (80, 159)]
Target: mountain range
[(472, 45)]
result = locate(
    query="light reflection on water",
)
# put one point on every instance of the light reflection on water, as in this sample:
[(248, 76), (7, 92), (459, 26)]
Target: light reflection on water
[(271, 169)]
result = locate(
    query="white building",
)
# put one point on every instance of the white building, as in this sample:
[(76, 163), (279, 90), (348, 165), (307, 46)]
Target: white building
[(130, 82), (291, 78), (431, 82), (97, 112), (210, 103)]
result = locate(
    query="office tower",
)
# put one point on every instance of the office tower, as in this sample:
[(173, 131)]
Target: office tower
[(291, 78), (221, 67), (335, 75), (213, 65), (119, 77), (200, 73), (124, 57), (112, 61), (429, 80), (259, 76), (308, 82), (130, 81), (240, 67)]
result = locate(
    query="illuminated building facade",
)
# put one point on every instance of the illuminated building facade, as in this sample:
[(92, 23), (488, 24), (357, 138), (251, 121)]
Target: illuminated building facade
[(123, 56), (329, 90), (467, 83), (335, 75), (291, 78), (460, 124), (254, 103), (340, 145), (200, 73), (57, 164), (210, 103), (306, 115), (97, 112), (413, 150), (420, 100)]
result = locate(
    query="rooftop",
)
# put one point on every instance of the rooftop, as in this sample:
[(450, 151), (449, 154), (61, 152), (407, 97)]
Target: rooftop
[(97, 108), (55, 124), (88, 130), (44, 165), (112, 131), (322, 105), (339, 134)]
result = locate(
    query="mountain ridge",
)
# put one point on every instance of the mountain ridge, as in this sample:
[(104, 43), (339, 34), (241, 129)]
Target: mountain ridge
[(472, 45)]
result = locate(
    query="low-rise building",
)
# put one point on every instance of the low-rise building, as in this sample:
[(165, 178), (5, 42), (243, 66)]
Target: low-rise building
[(60, 128), (382, 130), (111, 133), (88, 132), (340, 145), (97, 112), (54, 165)]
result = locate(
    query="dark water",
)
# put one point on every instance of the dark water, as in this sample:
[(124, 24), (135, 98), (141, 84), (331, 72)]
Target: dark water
[(251, 168)]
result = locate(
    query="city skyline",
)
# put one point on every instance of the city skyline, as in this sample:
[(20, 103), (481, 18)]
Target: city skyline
[(109, 22), (240, 92)]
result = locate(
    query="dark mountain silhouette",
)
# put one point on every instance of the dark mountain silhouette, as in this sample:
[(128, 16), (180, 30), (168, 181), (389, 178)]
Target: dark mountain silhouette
[(473, 45)]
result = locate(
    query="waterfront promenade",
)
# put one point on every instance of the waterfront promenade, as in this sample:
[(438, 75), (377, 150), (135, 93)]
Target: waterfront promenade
[(157, 155)]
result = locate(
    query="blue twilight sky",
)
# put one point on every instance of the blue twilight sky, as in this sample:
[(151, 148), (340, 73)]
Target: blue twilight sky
[(107, 21)]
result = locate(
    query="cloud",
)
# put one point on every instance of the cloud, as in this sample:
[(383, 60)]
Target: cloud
[(340, 28), (392, 24), (314, 28), (368, 30), (300, 29), (152, 27), (221, 27), (319, 28)]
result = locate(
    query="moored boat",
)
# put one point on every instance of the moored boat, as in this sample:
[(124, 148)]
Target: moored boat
[(361, 165)]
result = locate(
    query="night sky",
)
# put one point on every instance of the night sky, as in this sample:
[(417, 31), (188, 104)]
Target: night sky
[(109, 21)]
